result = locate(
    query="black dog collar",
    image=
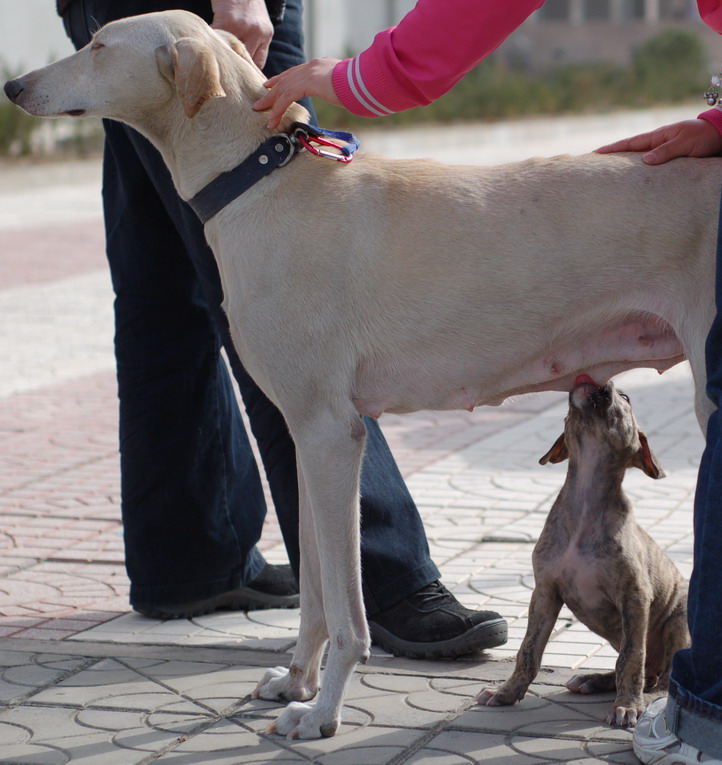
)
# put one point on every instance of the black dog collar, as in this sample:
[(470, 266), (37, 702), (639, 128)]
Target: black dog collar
[(277, 151)]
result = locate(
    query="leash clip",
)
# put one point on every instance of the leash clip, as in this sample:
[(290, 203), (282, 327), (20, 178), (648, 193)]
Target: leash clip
[(712, 96), (306, 135)]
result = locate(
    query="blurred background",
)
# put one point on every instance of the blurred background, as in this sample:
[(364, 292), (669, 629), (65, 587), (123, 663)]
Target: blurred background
[(571, 57)]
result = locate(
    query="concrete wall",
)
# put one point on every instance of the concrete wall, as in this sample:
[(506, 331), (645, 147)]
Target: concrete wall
[(31, 34)]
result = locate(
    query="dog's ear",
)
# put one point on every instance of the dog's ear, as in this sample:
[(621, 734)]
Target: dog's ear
[(558, 452), (645, 459), (193, 67), (235, 44)]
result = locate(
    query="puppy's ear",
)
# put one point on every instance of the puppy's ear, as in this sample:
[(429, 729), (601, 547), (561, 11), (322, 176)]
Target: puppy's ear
[(645, 459), (558, 452), (193, 67)]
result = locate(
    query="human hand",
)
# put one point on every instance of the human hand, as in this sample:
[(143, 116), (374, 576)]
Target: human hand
[(310, 79), (690, 138), (249, 21)]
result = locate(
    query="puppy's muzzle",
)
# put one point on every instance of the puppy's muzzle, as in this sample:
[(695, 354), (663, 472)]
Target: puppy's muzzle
[(590, 396)]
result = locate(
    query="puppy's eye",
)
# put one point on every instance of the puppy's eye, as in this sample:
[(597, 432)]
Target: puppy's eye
[(624, 396), (97, 46)]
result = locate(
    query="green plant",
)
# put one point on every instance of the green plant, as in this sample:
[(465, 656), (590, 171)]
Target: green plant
[(16, 126), (670, 66)]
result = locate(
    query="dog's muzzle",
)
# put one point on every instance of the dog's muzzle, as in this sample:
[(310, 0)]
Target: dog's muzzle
[(13, 88)]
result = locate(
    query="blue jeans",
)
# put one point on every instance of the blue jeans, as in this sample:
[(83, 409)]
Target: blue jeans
[(694, 709), (192, 502)]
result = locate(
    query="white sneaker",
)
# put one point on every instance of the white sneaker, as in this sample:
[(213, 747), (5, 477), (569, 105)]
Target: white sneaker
[(654, 744)]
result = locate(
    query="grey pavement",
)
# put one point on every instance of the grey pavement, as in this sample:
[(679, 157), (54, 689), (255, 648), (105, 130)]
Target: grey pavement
[(86, 680)]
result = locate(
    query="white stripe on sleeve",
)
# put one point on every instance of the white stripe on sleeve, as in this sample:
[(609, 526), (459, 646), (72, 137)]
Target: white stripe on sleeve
[(365, 99)]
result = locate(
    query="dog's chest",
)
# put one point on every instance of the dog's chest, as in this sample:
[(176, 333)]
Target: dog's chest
[(577, 575), (586, 587), (582, 564)]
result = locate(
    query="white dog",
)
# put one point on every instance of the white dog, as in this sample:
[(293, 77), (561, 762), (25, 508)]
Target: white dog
[(397, 285)]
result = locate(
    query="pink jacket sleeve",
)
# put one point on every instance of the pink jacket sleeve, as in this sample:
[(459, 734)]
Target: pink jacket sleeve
[(430, 50), (711, 13)]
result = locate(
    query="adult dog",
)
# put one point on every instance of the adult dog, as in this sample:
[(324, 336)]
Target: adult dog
[(397, 285)]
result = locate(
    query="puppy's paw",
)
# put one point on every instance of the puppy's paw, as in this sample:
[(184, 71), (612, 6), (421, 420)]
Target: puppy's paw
[(503, 696), (624, 716), (281, 684), (305, 722), (597, 683)]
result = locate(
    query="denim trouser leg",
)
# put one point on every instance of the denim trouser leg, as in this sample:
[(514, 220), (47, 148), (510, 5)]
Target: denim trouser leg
[(191, 498), (694, 710)]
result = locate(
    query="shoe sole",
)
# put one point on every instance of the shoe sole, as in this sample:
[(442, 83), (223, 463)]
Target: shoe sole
[(486, 635), (242, 599)]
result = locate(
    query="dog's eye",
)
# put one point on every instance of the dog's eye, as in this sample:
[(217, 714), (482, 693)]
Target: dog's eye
[(625, 397), (97, 46)]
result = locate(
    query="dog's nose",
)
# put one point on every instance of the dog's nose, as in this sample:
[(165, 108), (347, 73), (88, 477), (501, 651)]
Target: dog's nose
[(13, 88)]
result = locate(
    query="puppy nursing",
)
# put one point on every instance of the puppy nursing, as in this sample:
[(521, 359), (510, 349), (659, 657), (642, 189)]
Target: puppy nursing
[(593, 557), (389, 285)]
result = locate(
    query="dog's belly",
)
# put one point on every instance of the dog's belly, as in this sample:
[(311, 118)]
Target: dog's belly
[(453, 378)]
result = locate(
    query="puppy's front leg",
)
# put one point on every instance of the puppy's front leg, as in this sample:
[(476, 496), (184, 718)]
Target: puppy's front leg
[(629, 703), (329, 454), (544, 608)]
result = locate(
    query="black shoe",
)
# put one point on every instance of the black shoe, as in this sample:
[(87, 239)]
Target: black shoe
[(274, 587), (432, 624)]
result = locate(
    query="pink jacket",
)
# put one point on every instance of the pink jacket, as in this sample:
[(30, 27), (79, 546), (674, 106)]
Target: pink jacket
[(435, 45), (711, 13), (430, 50)]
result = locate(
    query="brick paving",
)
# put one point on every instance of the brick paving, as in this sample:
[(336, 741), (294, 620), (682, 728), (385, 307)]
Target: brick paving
[(84, 679)]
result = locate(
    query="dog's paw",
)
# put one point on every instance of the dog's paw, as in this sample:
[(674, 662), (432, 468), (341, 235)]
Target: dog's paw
[(499, 697), (281, 684), (596, 683), (624, 716), (303, 721)]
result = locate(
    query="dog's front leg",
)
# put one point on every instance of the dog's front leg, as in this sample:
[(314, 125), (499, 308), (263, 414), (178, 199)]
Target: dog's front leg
[(629, 703), (544, 608), (330, 451), (301, 681)]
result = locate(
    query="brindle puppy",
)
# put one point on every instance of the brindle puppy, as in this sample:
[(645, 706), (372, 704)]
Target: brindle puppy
[(594, 557)]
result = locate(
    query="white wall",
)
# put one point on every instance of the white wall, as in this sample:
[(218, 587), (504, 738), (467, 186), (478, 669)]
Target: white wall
[(31, 34), (371, 16)]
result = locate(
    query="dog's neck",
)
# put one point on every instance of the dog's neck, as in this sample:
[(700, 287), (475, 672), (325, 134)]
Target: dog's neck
[(237, 130), (592, 493)]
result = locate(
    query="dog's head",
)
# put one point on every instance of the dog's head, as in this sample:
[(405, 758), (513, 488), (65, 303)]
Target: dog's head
[(137, 68), (600, 417)]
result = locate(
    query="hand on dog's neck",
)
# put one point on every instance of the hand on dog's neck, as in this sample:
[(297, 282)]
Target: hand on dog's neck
[(191, 157)]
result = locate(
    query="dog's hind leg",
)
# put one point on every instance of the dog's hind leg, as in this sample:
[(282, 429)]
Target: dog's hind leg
[(330, 450), (598, 682), (301, 681)]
